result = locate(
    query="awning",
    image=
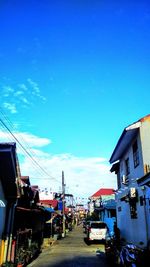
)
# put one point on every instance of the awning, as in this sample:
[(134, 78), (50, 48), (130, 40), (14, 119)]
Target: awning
[(144, 180), (47, 212), (47, 209), (27, 209)]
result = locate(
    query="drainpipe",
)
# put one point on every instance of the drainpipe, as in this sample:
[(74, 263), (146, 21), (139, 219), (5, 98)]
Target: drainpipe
[(7, 233), (145, 217), (2, 252), (11, 231)]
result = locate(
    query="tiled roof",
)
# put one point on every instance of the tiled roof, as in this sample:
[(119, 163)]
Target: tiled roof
[(52, 202), (103, 192)]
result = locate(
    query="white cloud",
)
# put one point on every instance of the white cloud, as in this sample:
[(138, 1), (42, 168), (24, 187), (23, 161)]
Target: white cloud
[(23, 96), (18, 93), (11, 107), (25, 139), (24, 100), (35, 89), (23, 86), (7, 91), (34, 141), (34, 86), (83, 175)]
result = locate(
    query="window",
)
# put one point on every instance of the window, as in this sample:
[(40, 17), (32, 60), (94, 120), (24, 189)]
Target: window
[(98, 225), (135, 154), (127, 166), (133, 210)]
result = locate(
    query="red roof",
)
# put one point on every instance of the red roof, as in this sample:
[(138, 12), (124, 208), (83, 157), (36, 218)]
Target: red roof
[(104, 192), (52, 202), (146, 118)]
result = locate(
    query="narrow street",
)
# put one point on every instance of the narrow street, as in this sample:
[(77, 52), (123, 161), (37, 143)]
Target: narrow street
[(72, 251)]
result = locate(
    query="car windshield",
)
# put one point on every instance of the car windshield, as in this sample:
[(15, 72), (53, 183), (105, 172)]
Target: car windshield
[(98, 225)]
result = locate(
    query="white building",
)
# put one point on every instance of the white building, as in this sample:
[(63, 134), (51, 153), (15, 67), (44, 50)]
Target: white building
[(131, 163)]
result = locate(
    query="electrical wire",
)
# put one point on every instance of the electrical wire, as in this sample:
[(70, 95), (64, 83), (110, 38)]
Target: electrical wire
[(30, 155), (33, 164), (23, 148)]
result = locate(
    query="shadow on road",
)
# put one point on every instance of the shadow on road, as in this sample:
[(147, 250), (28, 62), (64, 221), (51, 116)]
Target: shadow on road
[(94, 261), (87, 242)]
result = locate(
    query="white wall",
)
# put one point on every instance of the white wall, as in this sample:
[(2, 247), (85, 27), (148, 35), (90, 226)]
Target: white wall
[(132, 230), (145, 137), (134, 172), (135, 230)]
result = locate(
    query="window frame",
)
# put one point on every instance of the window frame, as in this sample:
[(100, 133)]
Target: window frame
[(127, 166), (135, 150)]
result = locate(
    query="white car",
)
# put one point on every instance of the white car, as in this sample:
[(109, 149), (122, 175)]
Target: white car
[(97, 230)]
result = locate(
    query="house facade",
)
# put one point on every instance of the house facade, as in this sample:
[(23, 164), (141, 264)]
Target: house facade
[(103, 204), (8, 197), (100, 198), (21, 219), (131, 164)]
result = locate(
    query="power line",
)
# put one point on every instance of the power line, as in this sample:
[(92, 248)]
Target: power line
[(29, 155), (13, 128), (33, 164), (25, 150)]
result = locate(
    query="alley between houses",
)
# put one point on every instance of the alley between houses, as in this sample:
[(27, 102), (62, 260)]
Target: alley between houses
[(72, 251)]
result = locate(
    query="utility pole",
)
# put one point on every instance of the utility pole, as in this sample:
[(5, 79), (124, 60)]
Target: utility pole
[(63, 203)]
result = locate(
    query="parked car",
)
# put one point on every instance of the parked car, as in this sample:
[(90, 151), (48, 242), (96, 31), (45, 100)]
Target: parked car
[(97, 230)]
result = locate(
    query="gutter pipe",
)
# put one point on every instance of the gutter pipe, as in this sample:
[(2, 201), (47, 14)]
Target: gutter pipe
[(11, 232), (7, 234)]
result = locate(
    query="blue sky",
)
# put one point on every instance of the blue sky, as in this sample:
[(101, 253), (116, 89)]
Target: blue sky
[(73, 75)]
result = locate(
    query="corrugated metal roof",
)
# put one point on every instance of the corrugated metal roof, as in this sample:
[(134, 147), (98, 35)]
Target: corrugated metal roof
[(52, 202), (104, 192)]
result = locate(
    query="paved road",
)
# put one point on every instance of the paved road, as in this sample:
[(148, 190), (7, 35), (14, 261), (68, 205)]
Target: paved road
[(72, 251)]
